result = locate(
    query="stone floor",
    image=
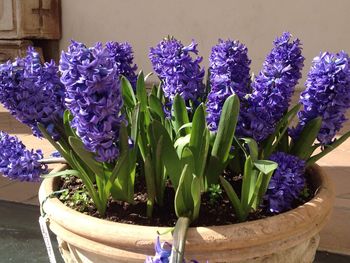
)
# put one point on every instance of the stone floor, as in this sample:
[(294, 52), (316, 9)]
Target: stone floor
[(334, 238)]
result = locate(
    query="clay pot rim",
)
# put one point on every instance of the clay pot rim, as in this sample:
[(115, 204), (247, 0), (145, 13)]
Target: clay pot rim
[(306, 219)]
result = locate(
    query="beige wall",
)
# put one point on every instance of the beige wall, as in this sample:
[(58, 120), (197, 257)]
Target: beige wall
[(320, 24)]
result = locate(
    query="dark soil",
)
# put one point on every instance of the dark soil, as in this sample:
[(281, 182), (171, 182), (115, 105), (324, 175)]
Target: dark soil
[(212, 212)]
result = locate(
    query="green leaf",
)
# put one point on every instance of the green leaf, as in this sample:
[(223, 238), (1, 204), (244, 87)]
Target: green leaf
[(199, 142), (121, 167), (160, 92), (135, 123), (185, 126), (154, 90), (179, 114), (302, 147), (265, 166), (84, 176), (170, 158), (123, 138), (141, 93), (273, 140), (156, 106), (62, 173), (67, 118), (196, 196), (179, 240), (183, 196), (253, 199), (123, 188), (187, 158), (151, 185), (226, 129), (181, 142), (160, 176), (87, 157), (128, 93), (328, 149), (253, 148), (263, 188), (233, 198), (248, 182), (224, 138)]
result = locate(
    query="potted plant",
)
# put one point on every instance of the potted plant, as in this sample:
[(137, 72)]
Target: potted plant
[(222, 160)]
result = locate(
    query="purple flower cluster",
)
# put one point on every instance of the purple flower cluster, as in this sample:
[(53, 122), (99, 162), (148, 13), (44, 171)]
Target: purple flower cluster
[(93, 96), (229, 74), (273, 89), (18, 163), (178, 71), (163, 252), (287, 182), (32, 92), (327, 95), (123, 56)]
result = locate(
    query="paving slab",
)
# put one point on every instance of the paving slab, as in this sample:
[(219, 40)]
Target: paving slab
[(20, 236)]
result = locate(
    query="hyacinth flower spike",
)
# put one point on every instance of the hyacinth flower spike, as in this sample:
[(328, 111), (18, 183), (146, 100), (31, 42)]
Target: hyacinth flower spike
[(273, 88), (180, 74), (18, 163), (229, 74), (325, 102), (33, 93)]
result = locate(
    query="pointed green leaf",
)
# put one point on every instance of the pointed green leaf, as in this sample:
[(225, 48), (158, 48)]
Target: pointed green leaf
[(253, 148), (265, 166), (226, 129), (62, 173), (183, 196), (185, 126), (247, 182), (273, 140), (170, 158), (156, 106), (196, 196), (302, 147), (87, 157), (141, 93), (224, 138), (67, 118), (128, 93), (150, 184), (233, 198), (179, 114)]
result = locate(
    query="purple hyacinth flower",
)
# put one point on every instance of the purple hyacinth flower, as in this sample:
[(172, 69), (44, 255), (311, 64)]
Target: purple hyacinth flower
[(178, 71), (18, 163), (123, 56), (229, 74), (93, 96), (272, 89), (163, 252), (32, 92), (287, 182), (327, 95)]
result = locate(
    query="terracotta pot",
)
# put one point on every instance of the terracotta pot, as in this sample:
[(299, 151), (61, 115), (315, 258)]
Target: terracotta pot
[(289, 237)]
